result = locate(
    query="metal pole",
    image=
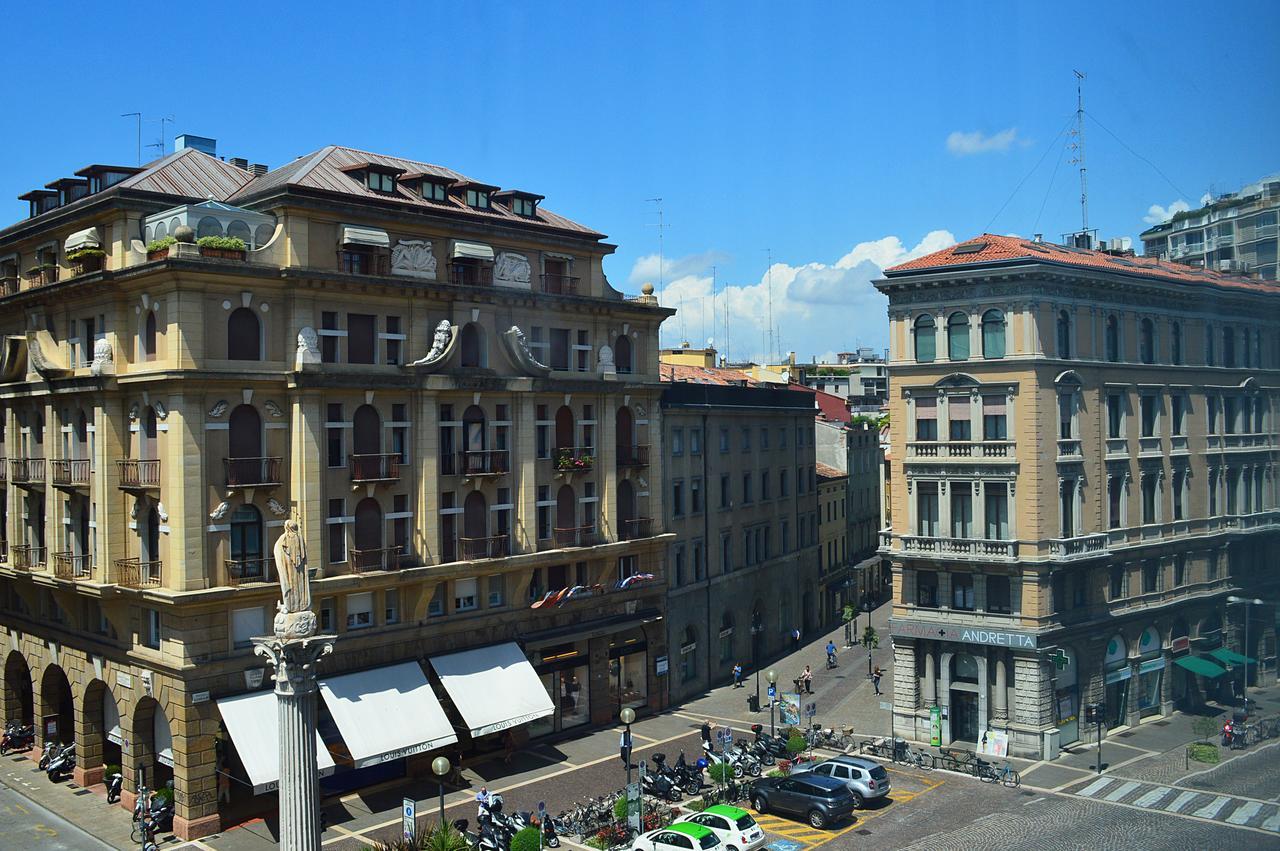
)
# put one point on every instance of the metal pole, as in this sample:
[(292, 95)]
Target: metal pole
[(141, 787), (628, 734), (771, 702), (441, 779), (1099, 744), (1244, 651)]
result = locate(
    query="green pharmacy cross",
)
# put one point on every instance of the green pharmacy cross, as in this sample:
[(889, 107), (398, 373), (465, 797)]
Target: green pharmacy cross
[(1059, 659)]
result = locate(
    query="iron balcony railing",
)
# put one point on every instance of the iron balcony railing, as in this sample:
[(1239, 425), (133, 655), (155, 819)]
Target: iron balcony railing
[(244, 570), (639, 527), (26, 470), (375, 468), (251, 472), (139, 473), (71, 472), (494, 546), (384, 558), (633, 456), (560, 284), (27, 557), (484, 462), (576, 536), (136, 573), (68, 565), (575, 458)]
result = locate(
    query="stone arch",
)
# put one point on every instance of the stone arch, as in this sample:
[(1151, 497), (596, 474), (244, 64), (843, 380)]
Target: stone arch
[(56, 701), (102, 734), (19, 702)]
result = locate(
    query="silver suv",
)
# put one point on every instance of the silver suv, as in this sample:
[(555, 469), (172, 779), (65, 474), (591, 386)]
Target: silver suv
[(865, 780)]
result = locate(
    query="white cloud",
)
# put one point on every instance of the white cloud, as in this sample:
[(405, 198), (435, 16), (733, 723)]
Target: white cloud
[(977, 142), (646, 267), (817, 308), (1157, 214), (1206, 199)]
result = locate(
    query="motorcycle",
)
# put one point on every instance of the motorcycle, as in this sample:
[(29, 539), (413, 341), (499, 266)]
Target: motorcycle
[(679, 774), (524, 818), (46, 756), (17, 737), (161, 814), (657, 786), (62, 764), (115, 783)]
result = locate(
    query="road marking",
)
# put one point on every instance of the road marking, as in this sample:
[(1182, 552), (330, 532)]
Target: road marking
[(1211, 809), (1157, 794), (1243, 814), (1273, 823), (1121, 791), (1180, 803), (1094, 787)]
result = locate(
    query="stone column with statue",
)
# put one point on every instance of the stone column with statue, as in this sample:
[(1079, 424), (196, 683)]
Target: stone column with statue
[(293, 652)]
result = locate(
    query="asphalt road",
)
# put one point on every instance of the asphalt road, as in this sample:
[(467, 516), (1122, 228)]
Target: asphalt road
[(26, 824)]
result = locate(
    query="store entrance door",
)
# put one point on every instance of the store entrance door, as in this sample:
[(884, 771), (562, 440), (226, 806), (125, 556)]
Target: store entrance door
[(964, 716)]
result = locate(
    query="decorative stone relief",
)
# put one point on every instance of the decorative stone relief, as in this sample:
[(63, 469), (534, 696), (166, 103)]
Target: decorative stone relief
[(161, 411), (273, 409), (103, 360), (294, 618), (133, 412), (219, 408), (161, 513), (413, 257), (308, 347), (522, 358), (276, 508), (605, 364), (137, 507), (439, 343), (220, 512), (511, 270)]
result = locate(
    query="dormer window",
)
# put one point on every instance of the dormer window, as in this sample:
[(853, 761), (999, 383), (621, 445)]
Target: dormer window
[(100, 177), (430, 189), (478, 198), (524, 206), (69, 189), (376, 176), (434, 191), (521, 203), (41, 201), (382, 182)]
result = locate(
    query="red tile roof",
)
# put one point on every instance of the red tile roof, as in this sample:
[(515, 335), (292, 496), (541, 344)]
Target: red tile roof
[(830, 407), (826, 472), (705, 375), (1003, 249)]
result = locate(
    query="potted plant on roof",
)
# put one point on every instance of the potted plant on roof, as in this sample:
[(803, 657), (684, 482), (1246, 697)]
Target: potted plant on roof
[(158, 249), (85, 260), (42, 274), (222, 247)]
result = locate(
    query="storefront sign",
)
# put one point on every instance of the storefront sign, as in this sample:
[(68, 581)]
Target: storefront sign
[(994, 743), (1181, 644), (1119, 674), (962, 634), (660, 666), (935, 726), (1151, 665)]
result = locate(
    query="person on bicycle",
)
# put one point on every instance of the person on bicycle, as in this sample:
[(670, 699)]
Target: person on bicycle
[(831, 654)]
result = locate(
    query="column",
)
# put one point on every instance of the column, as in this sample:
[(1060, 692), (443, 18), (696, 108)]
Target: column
[(1000, 697), (930, 678), (1033, 696), (944, 689), (425, 531), (983, 702), (182, 471), (307, 467)]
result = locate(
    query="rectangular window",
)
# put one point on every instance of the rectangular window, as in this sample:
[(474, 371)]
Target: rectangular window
[(746, 488), (1148, 498), (559, 348), (1058, 588), (782, 438), (151, 629), (1179, 571), (538, 345), (1150, 577), (545, 504), (1066, 406), (677, 499), (329, 342), (695, 496), (1229, 415), (724, 440), (764, 484), (677, 441), (326, 615), (726, 553), (394, 341), (1211, 414), (764, 438), (1177, 404), (246, 624), (994, 419), (927, 589), (699, 562), (1213, 493), (679, 561), (435, 608), (334, 429), (1067, 507), (391, 606), (1179, 478), (927, 509), (464, 595), (1149, 411), (724, 490), (926, 419), (746, 439), (783, 483), (497, 592), (961, 510), (996, 510), (786, 535), (337, 531), (1115, 416), (582, 351), (998, 594), (959, 424), (361, 345), (695, 441), (542, 432), (360, 610), (962, 591), (1115, 497)]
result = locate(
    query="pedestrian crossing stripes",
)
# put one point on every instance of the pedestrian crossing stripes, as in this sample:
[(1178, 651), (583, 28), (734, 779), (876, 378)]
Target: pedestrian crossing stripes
[(1226, 809)]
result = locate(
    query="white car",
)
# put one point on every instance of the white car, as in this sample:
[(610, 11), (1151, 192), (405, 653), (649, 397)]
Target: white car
[(733, 826), (681, 836)]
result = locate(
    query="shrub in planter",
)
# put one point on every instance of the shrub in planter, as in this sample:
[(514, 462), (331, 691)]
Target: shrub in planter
[(159, 248), (84, 260), (720, 772), (796, 743), (526, 839), (85, 254), (776, 772), (229, 247)]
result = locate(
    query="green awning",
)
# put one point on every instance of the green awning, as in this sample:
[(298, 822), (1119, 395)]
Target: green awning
[(1203, 667), (1225, 655)]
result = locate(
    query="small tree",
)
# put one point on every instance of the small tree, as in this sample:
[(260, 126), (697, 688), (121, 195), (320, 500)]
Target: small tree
[(796, 744), (620, 809), (720, 772), (1204, 727), (526, 839), (869, 638), (849, 612)]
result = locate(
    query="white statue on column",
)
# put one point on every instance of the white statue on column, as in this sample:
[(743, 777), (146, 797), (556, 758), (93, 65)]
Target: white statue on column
[(294, 618)]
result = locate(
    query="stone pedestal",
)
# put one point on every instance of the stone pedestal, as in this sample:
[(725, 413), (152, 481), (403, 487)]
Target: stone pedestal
[(294, 661)]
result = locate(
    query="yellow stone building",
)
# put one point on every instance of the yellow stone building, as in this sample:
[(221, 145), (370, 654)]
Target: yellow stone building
[(432, 373), (1083, 457)]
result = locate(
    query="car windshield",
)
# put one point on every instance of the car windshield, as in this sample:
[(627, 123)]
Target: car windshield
[(745, 822), (879, 773), (709, 841)]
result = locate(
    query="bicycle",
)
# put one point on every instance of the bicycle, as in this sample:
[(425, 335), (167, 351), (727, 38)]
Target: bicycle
[(989, 773), (914, 758), (876, 747)]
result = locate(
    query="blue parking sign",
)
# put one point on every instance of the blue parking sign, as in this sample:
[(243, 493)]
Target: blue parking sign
[(773, 690)]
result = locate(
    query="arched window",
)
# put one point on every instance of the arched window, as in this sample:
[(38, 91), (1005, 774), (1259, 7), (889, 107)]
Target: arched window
[(926, 338), (148, 447), (209, 226), (1064, 334), (625, 434), (149, 336), (1113, 339), (958, 336), (262, 235), (1147, 341), (244, 335), (239, 229), (622, 354), (1208, 345), (368, 553), (245, 464), (1228, 347), (1175, 343), (993, 334), (161, 231), (564, 429), (471, 346), (247, 562)]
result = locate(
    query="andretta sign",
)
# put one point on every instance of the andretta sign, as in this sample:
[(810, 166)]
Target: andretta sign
[(963, 634)]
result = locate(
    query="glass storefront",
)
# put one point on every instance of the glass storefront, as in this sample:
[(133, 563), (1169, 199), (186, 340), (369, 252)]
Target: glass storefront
[(1117, 673), (565, 675), (1150, 672), (628, 680), (1066, 701)]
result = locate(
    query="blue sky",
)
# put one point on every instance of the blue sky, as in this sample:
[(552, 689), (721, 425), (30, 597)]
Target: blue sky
[(838, 136)]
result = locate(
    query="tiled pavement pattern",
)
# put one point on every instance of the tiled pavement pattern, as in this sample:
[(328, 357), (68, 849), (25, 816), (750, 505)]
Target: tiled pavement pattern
[(1228, 809)]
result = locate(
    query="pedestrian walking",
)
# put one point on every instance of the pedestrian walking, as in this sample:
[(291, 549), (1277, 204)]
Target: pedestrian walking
[(807, 676), (482, 804), (624, 748), (737, 676), (706, 729), (875, 680), (795, 637)]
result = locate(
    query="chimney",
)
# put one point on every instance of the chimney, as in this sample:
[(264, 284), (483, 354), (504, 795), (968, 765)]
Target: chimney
[(258, 169), (1038, 238), (240, 162), (203, 144)]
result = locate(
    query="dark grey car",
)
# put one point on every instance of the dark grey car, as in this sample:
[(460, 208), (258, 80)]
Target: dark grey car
[(866, 780), (819, 800)]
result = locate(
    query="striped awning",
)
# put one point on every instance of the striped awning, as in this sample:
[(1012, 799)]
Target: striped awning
[(473, 250), (356, 235), (87, 238)]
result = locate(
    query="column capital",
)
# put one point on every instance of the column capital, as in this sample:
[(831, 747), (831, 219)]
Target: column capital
[(294, 660)]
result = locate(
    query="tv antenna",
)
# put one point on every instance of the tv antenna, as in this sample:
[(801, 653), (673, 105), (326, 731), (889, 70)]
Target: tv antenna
[(162, 145), (1078, 147), (661, 226), (769, 302), (138, 116)]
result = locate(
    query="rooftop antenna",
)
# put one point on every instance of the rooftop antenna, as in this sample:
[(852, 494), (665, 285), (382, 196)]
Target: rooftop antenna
[(138, 116), (1078, 146), (661, 226), (162, 145), (769, 289), (713, 301)]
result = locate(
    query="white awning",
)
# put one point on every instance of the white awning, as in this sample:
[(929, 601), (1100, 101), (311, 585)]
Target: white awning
[(111, 718), (354, 235), (161, 737), (387, 713), (254, 726), (474, 250), (87, 238), (493, 687)]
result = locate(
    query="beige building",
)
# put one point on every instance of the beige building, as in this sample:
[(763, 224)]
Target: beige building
[(1083, 464), (433, 374)]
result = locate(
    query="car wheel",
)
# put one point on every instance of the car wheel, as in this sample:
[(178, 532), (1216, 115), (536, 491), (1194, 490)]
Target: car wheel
[(759, 804), (858, 802), (817, 820)]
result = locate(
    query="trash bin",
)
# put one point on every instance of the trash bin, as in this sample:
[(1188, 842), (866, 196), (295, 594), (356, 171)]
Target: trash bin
[(753, 703)]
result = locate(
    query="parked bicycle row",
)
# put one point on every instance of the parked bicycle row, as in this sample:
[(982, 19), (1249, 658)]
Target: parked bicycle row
[(1239, 733), (948, 759)]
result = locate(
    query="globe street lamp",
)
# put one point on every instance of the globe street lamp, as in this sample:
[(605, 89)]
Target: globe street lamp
[(1244, 651), (627, 716), (440, 765), (772, 677)]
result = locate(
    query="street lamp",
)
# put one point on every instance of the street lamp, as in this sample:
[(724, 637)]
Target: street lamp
[(1244, 651), (772, 677), (627, 716), (440, 765)]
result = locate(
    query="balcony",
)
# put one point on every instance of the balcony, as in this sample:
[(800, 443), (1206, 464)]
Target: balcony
[(1178, 443), (960, 449), (575, 459), (244, 571), (560, 284), (633, 456), (1068, 448), (986, 548), (1083, 546), (27, 557), (1149, 445), (371, 469), (464, 275), (1245, 441), (1117, 447), (484, 462), (68, 565), (138, 474), (135, 573), (640, 527), (26, 471), (71, 473), (365, 561), (494, 546), (42, 276), (252, 472), (576, 536), (8, 286)]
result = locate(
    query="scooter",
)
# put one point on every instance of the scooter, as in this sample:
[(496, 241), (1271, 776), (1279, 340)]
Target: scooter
[(17, 737), (161, 813), (524, 818), (46, 756), (683, 779), (115, 783), (657, 786), (62, 764)]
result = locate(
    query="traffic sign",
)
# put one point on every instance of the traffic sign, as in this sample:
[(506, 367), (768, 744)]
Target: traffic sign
[(773, 690), (811, 709), (409, 817)]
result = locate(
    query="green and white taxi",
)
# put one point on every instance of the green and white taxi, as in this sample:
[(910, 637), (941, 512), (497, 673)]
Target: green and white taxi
[(681, 836), (733, 826)]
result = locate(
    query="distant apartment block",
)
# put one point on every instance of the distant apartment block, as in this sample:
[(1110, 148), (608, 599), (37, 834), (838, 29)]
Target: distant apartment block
[(1234, 233)]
